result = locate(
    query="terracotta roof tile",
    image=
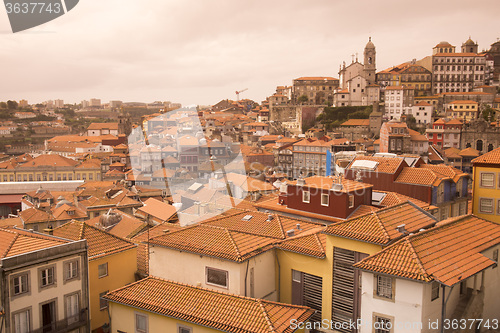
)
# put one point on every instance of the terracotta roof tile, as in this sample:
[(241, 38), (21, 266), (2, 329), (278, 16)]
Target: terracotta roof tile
[(260, 225), (380, 227), (158, 209), (449, 252), (326, 183), (492, 157), (100, 243), (14, 242), (311, 244), (216, 242), (419, 176), (217, 310), (385, 164)]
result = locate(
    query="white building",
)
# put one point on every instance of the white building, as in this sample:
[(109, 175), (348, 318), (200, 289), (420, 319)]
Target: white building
[(58, 103), (44, 284), (404, 285), (95, 102), (422, 112), (398, 101)]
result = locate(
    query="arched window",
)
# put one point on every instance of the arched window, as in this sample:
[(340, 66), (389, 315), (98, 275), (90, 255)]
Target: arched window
[(479, 145), (468, 145), (490, 147)]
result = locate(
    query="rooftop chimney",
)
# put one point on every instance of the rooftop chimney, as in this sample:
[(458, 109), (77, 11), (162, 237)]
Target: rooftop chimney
[(298, 226), (401, 229)]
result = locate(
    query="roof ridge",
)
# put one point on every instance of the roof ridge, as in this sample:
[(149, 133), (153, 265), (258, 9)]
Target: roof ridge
[(316, 236), (281, 226), (415, 256), (381, 225), (266, 316), (16, 235), (238, 253)]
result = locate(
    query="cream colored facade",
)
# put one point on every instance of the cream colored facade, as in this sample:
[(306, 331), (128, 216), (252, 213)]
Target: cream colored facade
[(486, 190), (36, 300), (190, 268)]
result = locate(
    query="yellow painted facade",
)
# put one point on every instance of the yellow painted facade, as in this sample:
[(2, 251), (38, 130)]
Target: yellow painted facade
[(463, 110), (487, 194), (43, 174), (123, 319), (121, 271), (289, 261)]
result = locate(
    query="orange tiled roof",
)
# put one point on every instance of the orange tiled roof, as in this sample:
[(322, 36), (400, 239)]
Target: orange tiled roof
[(385, 164), (14, 242), (159, 209), (128, 226), (380, 227), (311, 244), (356, 122), (469, 152), (394, 198), (217, 310), (316, 78), (445, 171), (419, 176), (449, 252), (100, 243), (216, 242), (49, 160), (260, 225), (326, 183), (492, 157)]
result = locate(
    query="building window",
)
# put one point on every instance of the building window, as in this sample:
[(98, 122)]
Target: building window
[(71, 270), (487, 179), (72, 308), (384, 287), (103, 303), (217, 277), (102, 270), (22, 321), (306, 196), (351, 201), (20, 284), (486, 205), (47, 276), (382, 325), (434, 291), (325, 199), (141, 323), (184, 329)]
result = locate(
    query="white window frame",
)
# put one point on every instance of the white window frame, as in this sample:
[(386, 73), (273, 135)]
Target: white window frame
[(16, 318), (19, 278), (50, 276), (304, 196), (184, 329), (482, 180), (71, 267), (351, 200), (99, 269), (384, 287), (140, 330), (72, 308), (327, 196), (102, 305), (481, 210), (207, 269)]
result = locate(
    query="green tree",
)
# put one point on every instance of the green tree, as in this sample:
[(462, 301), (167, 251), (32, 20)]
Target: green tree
[(303, 99), (411, 122), (12, 105)]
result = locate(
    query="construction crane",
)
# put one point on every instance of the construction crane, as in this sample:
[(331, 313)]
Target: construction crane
[(238, 94)]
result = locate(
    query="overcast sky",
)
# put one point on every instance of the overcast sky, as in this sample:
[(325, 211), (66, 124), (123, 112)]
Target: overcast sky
[(199, 52)]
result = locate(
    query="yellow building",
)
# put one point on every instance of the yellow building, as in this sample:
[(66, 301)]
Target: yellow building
[(49, 167), (112, 264), (465, 110), (316, 270), (157, 305), (486, 186)]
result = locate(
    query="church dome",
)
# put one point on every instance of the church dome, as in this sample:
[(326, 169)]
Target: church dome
[(370, 45), (469, 42)]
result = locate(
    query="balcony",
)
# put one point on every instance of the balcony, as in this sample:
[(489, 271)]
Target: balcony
[(66, 324)]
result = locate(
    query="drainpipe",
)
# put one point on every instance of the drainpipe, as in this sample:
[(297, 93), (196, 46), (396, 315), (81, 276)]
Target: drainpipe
[(246, 275), (279, 274), (443, 305)]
